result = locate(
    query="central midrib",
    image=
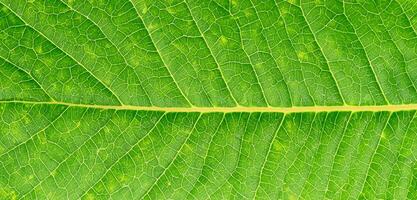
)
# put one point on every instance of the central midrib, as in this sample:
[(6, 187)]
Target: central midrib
[(345, 108)]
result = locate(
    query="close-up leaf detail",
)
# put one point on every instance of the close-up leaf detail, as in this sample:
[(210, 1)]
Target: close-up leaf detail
[(208, 99)]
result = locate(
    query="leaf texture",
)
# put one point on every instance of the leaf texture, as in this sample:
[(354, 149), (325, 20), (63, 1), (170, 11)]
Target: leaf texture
[(239, 99)]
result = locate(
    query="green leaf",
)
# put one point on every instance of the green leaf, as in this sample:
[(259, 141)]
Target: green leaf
[(242, 99)]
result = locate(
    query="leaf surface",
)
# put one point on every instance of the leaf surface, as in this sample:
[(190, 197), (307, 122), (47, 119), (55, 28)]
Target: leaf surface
[(250, 99)]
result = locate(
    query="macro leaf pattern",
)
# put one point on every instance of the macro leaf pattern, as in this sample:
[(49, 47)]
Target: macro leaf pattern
[(210, 99)]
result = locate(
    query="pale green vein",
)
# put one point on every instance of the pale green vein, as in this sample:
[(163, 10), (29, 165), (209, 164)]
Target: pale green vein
[(293, 49), (172, 160), (270, 52), (35, 134), (199, 80), (366, 54), (102, 83), (30, 75), (409, 20), (211, 53), (322, 53), (239, 152), (337, 150), (66, 158), (294, 109), (315, 153), (267, 155), (250, 62), (190, 193), (373, 153), (399, 50), (285, 175), (122, 156), (159, 53), (114, 45)]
